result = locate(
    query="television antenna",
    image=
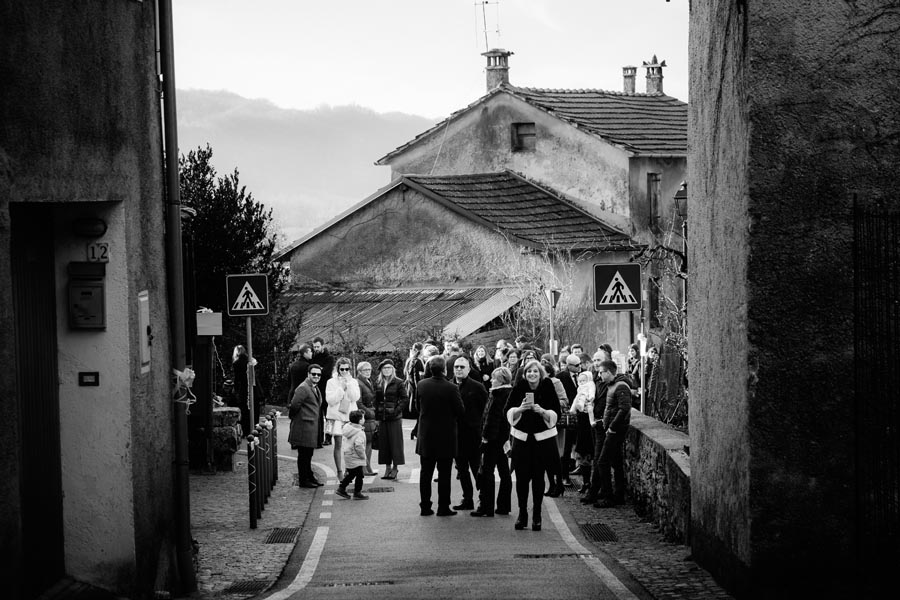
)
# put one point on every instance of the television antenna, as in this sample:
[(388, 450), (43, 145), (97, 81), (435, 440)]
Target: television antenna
[(484, 4)]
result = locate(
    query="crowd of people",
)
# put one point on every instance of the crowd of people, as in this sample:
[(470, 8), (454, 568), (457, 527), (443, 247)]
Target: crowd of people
[(510, 410)]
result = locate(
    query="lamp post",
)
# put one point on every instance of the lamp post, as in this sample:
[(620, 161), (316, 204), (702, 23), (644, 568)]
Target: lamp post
[(553, 299)]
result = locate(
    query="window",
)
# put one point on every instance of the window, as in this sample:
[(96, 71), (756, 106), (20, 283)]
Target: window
[(653, 201), (523, 137)]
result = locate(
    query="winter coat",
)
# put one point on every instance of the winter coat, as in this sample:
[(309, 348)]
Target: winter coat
[(297, 374), (390, 399), (304, 414), (474, 398), (617, 415), (340, 401), (366, 403), (584, 400), (325, 360), (440, 408), (354, 445), (494, 426), (531, 422)]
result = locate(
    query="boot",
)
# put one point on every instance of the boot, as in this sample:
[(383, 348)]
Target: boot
[(342, 492), (536, 519), (359, 496), (522, 521)]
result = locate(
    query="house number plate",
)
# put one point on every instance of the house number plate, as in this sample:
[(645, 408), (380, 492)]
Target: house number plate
[(98, 252)]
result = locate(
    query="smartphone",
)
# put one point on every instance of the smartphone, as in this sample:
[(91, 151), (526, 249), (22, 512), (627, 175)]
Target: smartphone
[(529, 399)]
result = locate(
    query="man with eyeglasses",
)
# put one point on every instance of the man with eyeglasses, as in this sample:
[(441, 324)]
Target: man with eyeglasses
[(569, 379), (468, 454), (304, 414), (323, 358)]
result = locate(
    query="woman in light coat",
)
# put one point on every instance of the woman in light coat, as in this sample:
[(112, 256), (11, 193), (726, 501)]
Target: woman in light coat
[(341, 394)]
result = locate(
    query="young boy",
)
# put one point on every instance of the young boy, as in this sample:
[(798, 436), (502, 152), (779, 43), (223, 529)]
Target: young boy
[(354, 456)]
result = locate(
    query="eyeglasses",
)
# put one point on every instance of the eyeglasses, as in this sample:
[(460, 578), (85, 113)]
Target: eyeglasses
[(344, 369), (459, 366), (315, 374)]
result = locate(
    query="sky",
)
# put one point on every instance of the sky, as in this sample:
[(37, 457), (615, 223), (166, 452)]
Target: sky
[(420, 57)]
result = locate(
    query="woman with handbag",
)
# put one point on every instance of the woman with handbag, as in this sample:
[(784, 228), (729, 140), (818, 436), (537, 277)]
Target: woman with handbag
[(390, 398)]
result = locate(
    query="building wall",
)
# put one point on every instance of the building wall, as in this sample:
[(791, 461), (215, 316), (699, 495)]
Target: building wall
[(579, 165), (793, 110), (406, 239), (81, 130)]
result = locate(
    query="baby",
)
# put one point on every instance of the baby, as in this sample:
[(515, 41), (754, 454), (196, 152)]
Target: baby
[(584, 397)]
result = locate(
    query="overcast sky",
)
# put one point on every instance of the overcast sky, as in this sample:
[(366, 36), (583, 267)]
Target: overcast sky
[(420, 56)]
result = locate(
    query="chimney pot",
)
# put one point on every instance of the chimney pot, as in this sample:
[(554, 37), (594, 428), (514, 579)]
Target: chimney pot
[(497, 67), (654, 75), (628, 74)]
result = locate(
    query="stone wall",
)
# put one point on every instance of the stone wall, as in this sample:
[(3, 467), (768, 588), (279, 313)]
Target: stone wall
[(659, 475)]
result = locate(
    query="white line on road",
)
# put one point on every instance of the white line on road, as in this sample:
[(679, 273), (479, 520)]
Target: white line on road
[(307, 569), (606, 576), (327, 502), (325, 515), (414, 475)]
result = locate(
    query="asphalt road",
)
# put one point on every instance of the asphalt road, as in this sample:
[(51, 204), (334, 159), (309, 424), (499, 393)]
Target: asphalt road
[(383, 548)]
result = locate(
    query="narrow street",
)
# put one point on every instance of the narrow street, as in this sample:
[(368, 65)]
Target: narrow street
[(383, 548)]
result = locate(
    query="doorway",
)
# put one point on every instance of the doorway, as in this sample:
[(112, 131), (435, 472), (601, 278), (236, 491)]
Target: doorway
[(40, 473)]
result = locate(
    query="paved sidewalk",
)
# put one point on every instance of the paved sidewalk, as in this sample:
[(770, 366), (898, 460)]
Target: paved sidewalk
[(232, 556)]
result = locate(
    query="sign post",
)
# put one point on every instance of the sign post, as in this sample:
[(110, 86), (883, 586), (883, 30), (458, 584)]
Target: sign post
[(248, 296)]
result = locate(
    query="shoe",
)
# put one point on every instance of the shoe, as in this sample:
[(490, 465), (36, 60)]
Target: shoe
[(465, 506), (501, 511), (426, 512), (481, 513), (307, 484), (445, 512), (388, 474), (360, 496), (589, 498), (552, 492), (536, 525), (394, 472), (522, 521), (368, 472), (342, 492), (585, 487), (315, 482)]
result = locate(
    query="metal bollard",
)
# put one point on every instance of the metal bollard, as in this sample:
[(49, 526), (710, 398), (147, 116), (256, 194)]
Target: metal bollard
[(251, 478), (257, 468), (265, 461), (275, 442)]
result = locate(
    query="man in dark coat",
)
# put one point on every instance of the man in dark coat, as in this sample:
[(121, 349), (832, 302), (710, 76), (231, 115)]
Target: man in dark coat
[(304, 414), (440, 406), (616, 419), (468, 455), (298, 370), (568, 377), (323, 358)]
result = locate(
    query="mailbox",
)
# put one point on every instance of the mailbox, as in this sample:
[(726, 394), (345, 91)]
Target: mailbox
[(87, 295)]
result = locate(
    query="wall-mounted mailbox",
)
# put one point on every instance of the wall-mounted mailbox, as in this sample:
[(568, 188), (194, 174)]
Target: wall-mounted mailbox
[(87, 295)]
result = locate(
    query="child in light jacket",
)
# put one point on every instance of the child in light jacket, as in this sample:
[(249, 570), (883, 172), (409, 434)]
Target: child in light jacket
[(354, 456)]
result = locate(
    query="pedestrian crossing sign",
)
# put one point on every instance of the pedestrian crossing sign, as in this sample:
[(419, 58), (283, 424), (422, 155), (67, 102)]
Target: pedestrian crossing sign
[(617, 286), (247, 295)]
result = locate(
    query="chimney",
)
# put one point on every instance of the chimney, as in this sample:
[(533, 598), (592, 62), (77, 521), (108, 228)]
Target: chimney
[(628, 73), (654, 76), (497, 67)]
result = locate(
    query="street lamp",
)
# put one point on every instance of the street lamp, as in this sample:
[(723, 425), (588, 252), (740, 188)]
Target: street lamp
[(681, 207), (553, 299)]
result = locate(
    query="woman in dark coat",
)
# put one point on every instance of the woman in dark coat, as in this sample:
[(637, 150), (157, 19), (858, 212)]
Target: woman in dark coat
[(494, 434), (532, 411), (367, 405), (482, 367), (390, 398)]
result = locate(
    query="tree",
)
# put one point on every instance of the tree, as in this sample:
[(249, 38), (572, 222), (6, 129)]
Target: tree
[(229, 232)]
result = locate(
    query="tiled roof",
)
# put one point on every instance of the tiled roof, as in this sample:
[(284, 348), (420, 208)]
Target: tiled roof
[(640, 123), (523, 210), (385, 318)]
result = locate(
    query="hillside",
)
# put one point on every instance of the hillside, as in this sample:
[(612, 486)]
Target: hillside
[(307, 165)]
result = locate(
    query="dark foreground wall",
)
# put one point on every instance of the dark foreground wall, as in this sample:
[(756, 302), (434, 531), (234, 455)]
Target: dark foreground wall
[(793, 117)]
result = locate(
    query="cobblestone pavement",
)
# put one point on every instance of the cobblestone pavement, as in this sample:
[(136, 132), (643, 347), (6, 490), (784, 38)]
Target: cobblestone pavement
[(663, 568), (231, 554), (236, 562)]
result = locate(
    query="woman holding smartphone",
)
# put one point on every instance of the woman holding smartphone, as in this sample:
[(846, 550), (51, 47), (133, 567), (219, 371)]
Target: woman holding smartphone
[(532, 411)]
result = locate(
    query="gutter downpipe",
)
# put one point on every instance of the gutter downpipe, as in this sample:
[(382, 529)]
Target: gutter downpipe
[(186, 582)]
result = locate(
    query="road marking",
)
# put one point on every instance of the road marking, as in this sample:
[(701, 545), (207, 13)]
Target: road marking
[(325, 515), (328, 492), (327, 502), (414, 475), (605, 575), (307, 569)]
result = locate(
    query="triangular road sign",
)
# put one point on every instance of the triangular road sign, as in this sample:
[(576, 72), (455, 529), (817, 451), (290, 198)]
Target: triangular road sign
[(617, 292), (247, 299)]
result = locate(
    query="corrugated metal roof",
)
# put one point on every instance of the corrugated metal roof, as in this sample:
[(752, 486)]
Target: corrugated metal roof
[(517, 207), (383, 319)]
